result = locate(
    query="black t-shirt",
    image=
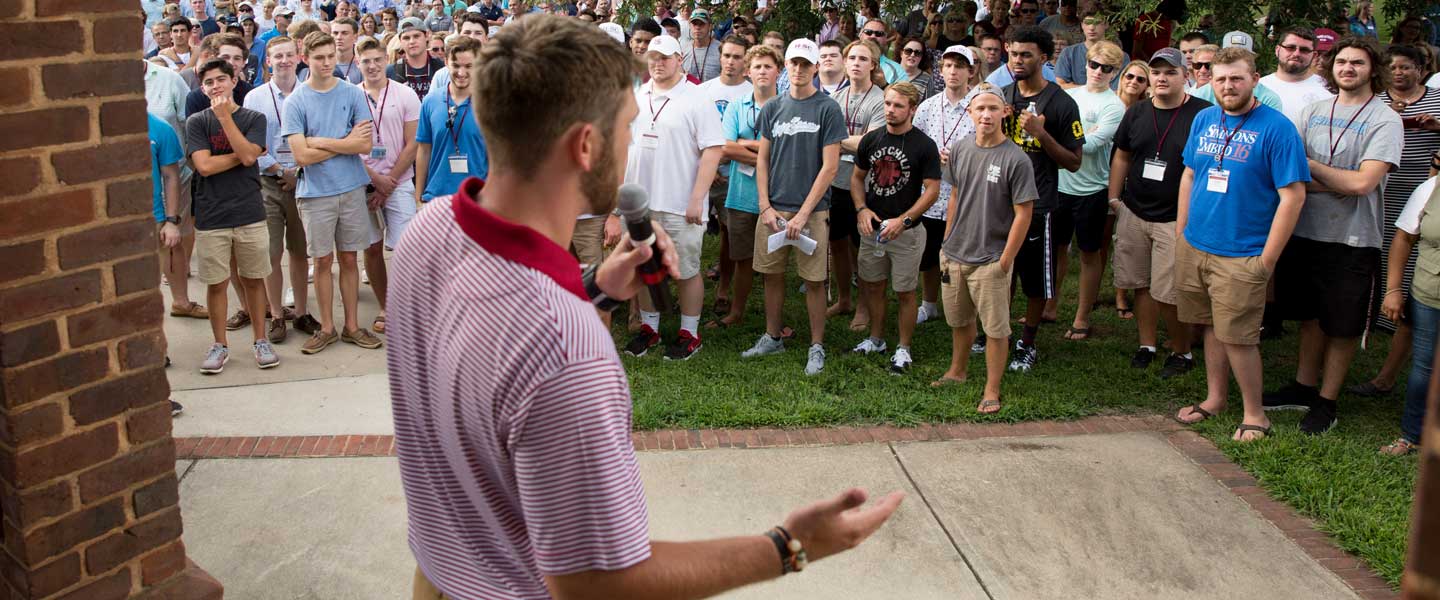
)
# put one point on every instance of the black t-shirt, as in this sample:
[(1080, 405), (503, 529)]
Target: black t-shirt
[(1139, 134), (417, 79), (896, 168), (197, 101), (229, 198), (1062, 122)]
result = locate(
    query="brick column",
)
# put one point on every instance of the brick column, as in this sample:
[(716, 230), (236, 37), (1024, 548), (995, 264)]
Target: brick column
[(1422, 571), (87, 480)]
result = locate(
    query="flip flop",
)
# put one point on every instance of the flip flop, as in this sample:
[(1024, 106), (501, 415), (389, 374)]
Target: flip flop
[(378, 324), (721, 324), (1077, 334), (946, 381), (722, 306), (1246, 427), (1124, 313), (1400, 447), (1194, 410), (987, 403)]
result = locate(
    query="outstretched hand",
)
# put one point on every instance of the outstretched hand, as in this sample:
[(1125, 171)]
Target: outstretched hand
[(832, 526)]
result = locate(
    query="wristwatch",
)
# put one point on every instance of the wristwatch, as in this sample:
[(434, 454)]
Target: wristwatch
[(172, 219), (907, 221)]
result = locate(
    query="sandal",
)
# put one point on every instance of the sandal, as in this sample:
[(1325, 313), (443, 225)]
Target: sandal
[(988, 406), (722, 306), (1194, 410), (378, 324), (194, 310), (721, 324), (1246, 428), (1124, 313), (946, 381), (1077, 334), (1369, 390), (1400, 447)]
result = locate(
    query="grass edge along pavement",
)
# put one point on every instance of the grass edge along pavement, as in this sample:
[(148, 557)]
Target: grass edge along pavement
[(1338, 479)]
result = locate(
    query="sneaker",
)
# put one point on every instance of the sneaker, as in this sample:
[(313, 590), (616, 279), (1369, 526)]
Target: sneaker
[(289, 298), (1142, 359), (643, 341), (319, 341), (307, 324), (869, 346), (1176, 365), (978, 346), (176, 409), (816, 363), (277, 332), (765, 345), (310, 274), (1025, 357), (237, 320), (922, 315), (363, 338), (1320, 418), (900, 362), (265, 355), (364, 275), (1291, 397), (684, 346), (215, 359)]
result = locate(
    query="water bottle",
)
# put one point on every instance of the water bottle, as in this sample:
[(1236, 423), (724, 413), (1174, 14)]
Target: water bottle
[(1025, 135), (880, 240)]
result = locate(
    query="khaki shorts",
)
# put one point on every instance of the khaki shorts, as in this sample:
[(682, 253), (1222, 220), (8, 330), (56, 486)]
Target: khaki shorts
[(422, 589), (899, 260), (1226, 292), (689, 241), (248, 244), (740, 230), (282, 217), (340, 222), (971, 291), (588, 243), (1145, 256), (810, 267)]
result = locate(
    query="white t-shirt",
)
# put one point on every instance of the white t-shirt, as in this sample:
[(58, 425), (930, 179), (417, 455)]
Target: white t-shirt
[(1433, 81), (666, 140), (1409, 221), (1294, 97), (722, 95)]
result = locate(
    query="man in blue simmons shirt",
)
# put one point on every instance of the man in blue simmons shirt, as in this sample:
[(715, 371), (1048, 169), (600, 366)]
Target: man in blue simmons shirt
[(1240, 196)]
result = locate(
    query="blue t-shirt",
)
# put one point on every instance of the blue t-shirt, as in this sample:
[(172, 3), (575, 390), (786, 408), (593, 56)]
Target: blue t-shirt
[(1073, 61), (164, 151), (1002, 77), (461, 138), (739, 123), (329, 114), (1264, 155)]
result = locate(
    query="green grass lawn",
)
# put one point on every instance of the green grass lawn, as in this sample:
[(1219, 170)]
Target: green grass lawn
[(1339, 479)]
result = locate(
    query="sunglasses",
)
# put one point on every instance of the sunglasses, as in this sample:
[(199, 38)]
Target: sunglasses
[(1200, 65), (912, 52), (1106, 69), (873, 32), (1134, 77), (1297, 48)]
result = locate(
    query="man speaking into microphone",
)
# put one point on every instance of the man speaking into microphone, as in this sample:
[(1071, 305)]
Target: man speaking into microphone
[(512, 410)]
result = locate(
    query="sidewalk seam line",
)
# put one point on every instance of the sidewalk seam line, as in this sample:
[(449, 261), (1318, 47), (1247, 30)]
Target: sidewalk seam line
[(939, 521), (188, 468)]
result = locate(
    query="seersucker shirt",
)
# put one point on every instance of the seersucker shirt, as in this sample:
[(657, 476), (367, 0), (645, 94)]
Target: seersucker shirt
[(512, 411)]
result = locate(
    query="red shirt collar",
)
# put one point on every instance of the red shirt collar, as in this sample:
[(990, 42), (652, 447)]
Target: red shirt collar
[(515, 243)]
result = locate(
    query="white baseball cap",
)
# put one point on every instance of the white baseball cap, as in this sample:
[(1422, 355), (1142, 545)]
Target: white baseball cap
[(665, 45), (803, 48), (961, 50), (614, 30)]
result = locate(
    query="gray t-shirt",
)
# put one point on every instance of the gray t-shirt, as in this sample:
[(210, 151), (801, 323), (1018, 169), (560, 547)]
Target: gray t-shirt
[(1375, 134), (703, 63), (799, 131), (862, 112), (988, 183)]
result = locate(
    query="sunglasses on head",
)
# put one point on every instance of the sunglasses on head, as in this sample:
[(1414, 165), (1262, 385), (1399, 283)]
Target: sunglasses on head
[(1104, 68), (912, 52), (1200, 65), (873, 32), (1134, 77)]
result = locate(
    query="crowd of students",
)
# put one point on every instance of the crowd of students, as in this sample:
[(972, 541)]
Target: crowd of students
[(950, 159)]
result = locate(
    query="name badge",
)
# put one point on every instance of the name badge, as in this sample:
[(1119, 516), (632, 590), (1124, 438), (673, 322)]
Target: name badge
[(1154, 170), (1217, 181), (377, 152), (458, 165), (850, 158), (747, 170), (649, 140)]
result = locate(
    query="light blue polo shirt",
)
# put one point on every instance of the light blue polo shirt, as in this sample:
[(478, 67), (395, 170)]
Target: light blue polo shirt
[(739, 124)]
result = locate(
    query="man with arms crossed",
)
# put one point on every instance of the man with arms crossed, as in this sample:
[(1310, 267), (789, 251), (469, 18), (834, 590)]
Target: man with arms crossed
[(225, 141), (800, 135), (1240, 195), (1144, 184), (987, 216), (1329, 270), (328, 124), (896, 179), (549, 503)]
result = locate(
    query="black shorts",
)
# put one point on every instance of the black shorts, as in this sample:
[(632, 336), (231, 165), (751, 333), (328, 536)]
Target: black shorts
[(934, 236), (842, 217), (1082, 217), (1333, 283), (1035, 265)]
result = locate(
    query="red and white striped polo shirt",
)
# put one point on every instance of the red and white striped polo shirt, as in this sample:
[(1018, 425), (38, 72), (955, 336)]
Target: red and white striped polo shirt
[(512, 411)]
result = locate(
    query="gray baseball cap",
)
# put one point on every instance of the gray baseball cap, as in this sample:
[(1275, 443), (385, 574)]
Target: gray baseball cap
[(409, 23), (1169, 55)]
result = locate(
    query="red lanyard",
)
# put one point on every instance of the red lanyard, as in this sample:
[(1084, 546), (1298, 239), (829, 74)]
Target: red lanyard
[(380, 137), (703, 62), (1221, 159), (1161, 144), (945, 143), (1334, 143), (848, 128), (655, 114)]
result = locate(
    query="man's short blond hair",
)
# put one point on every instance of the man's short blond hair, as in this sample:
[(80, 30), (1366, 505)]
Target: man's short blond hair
[(1106, 52), (1232, 55), (763, 51), (908, 90)]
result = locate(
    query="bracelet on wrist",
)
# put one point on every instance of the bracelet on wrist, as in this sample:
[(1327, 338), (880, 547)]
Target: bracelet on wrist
[(1394, 291), (792, 554), (598, 297)]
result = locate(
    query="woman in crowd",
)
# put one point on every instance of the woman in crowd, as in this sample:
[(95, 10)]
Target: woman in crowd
[(368, 27), (1134, 87), (916, 61), (1417, 227), (1362, 22)]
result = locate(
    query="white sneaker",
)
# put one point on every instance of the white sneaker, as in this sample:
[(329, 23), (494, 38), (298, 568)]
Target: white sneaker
[(289, 299), (310, 276), (869, 346), (816, 362), (364, 275), (765, 345), (923, 315), (900, 362)]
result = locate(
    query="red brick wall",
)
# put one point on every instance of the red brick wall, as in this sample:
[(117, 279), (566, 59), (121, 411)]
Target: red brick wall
[(87, 482), (1422, 572)]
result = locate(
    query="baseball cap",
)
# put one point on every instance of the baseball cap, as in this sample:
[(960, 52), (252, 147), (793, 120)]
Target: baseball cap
[(1325, 39), (1238, 39), (284, 11), (700, 15), (409, 23), (961, 50), (803, 48), (665, 45), (986, 87), (614, 30), (1169, 55)]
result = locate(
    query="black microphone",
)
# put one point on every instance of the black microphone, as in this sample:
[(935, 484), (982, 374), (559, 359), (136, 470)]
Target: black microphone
[(634, 208)]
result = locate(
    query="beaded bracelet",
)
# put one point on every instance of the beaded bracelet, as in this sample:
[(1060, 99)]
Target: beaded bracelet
[(792, 554)]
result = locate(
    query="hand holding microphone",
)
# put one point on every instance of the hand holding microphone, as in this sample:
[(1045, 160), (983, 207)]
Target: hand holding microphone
[(645, 255)]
